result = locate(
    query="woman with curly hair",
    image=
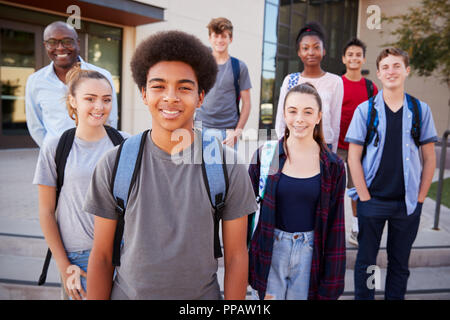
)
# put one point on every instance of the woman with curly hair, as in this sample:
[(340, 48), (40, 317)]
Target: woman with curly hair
[(310, 45), (168, 248)]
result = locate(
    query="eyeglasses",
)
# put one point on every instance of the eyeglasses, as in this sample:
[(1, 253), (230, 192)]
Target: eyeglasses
[(67, 43)]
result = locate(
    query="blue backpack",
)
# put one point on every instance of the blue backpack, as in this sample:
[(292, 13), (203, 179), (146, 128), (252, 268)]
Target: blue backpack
[(372, 123), (127, 165)]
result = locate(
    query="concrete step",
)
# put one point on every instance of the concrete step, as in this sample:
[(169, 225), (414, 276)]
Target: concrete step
[(15, 291), (423, 283), (26, 270), (430, 256)]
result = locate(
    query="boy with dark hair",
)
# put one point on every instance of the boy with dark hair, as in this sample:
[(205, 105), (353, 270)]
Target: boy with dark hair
[(220, 109), (168, 249), (391, 180), (357, 89)]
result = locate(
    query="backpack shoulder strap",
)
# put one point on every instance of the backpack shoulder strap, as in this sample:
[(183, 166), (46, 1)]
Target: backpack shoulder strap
[(114, 135), (266, 156), (62, 153), (372, 124), (369, 88), (215, 177), (127, 165), (293, 80), (414, 106), (236, 75)]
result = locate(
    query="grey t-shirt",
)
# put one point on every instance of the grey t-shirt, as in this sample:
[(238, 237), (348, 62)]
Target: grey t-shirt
[(168, 250), (219, 107), (75, 226)]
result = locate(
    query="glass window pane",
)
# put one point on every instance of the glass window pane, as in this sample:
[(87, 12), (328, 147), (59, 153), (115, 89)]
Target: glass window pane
[(283, 50), (106, 53), (297, 23), (313, 13), (17, 64), (270, 23), (299, 6), (268, 79), (270, 52), (283, 35), (104, 31), (285, 11)]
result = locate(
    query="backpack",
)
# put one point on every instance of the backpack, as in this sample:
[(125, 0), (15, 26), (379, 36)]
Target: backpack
[(369, 88), (126, 169), (372, 123), (236, 74), (267, 153), (62, 153)]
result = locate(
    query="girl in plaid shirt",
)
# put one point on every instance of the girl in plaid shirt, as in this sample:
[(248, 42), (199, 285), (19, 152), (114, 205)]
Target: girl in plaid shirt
[(298, 248)]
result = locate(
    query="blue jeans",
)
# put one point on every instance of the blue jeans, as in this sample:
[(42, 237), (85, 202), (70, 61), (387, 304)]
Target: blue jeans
[(290, 268), (402, 231), (80, 259)]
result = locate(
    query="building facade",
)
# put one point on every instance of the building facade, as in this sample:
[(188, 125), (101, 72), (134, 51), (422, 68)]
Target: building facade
[(264, 38)]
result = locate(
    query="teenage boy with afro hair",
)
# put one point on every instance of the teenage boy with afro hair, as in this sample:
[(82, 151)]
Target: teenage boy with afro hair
[(168, 250)]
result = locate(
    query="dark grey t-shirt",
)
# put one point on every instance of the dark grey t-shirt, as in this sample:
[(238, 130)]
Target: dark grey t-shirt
[(168, 250), (219, 107)]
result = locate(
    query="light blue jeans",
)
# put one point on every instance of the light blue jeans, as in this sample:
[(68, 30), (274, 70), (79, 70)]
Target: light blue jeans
[(290, 269), (80, 259)]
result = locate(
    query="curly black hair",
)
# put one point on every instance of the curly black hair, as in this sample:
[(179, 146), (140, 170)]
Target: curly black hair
[(174, 46), (310, 29)]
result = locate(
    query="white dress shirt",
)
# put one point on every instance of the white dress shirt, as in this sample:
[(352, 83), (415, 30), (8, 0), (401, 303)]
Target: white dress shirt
[(45, 103)]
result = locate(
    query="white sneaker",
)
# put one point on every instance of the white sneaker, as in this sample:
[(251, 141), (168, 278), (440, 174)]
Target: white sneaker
[(353, 238)]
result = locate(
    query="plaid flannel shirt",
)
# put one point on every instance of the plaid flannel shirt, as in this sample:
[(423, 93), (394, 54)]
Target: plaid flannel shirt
[(329, 256)]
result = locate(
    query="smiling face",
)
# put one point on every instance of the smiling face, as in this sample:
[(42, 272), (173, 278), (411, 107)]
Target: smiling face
[(354, 58), (301, 112), (220, 42), (92, 102), (392, 72), (172, 95), (311, 51), (64, 55)]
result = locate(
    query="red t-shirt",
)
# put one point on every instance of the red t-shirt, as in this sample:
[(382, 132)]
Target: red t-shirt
[(355, 92)]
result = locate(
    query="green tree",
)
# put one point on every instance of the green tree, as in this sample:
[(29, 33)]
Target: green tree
[(424, 32)]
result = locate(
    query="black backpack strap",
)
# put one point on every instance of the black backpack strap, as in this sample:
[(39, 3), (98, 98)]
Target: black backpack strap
[(414, 104), (369, 88), (215, 177), (122, 182), (114, 135), (372, 124), (236, 74), (61, 155)]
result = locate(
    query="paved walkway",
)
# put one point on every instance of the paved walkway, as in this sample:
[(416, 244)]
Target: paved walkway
[(22, 248)]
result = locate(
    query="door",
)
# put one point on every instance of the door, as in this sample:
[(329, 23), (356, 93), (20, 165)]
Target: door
[(21, 53)]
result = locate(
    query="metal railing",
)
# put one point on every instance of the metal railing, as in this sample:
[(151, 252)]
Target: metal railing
[(441, 179)]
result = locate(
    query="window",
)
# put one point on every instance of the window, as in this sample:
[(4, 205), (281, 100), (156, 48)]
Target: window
[(282, 21)]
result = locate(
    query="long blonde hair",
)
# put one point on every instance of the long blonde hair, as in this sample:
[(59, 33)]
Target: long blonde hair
[(73, 79)]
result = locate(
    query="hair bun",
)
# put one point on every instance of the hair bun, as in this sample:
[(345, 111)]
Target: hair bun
[(73, 72), (311, 28)]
